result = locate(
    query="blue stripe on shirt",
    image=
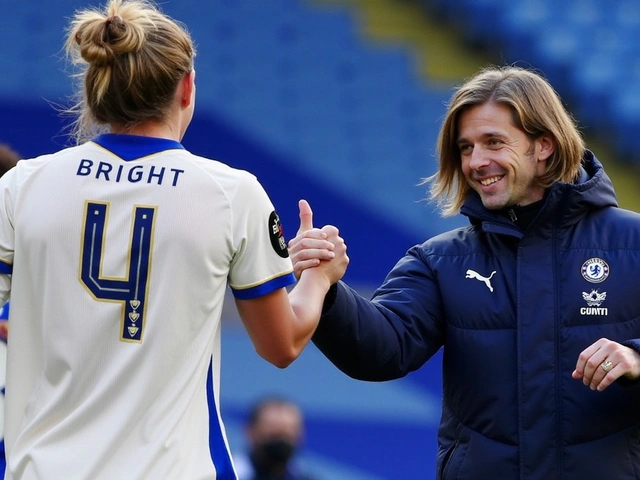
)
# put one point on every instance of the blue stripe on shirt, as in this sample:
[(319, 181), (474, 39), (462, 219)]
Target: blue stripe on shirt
[(6, 268), (217, 446), (264, 288)]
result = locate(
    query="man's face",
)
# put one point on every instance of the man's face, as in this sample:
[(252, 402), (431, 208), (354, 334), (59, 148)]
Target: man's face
[(274, 438), (500, 161), (278, 422)]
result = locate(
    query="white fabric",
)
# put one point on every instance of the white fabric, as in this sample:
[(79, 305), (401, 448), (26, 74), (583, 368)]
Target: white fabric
[(84, 401)]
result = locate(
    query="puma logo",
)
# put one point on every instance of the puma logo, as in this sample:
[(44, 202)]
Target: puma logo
[(477, 276)]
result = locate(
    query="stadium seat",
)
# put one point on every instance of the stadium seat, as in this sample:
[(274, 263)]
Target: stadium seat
[(588, 49)]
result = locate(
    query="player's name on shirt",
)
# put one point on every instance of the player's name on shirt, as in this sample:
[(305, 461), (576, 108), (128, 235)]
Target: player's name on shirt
[(146, 172)]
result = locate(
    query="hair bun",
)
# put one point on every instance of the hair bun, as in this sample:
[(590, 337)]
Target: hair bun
[(122, 36), (115, 27), (94, 44), (114, 20), (101, 40)]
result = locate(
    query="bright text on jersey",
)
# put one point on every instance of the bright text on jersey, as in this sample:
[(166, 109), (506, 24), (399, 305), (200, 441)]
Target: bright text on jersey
[(126, 173)]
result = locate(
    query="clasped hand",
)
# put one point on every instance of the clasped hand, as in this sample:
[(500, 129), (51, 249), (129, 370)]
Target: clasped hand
[(319, 248)]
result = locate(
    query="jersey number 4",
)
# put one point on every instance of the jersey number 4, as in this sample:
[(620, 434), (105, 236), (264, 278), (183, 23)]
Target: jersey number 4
[(131, 291)]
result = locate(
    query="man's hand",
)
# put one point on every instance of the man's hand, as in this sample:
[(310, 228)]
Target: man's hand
[(602, 363)]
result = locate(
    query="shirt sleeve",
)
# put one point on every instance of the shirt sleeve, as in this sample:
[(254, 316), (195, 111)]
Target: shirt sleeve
[(261, 263)]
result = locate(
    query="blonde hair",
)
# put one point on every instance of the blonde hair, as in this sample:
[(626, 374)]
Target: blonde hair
[(537, 110), (131, 58), (8, 158)]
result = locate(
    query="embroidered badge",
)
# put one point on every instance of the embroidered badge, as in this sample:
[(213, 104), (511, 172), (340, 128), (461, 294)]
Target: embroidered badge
[(477, 276), (595, 270), (594, 299)]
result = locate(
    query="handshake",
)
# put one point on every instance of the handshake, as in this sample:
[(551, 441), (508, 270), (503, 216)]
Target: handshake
[(317, 251)]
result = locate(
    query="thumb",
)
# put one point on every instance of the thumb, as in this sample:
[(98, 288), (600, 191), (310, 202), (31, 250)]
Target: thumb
[(306, 216)]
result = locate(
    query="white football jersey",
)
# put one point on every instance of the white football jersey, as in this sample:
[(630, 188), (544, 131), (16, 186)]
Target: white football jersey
[(117, 254)]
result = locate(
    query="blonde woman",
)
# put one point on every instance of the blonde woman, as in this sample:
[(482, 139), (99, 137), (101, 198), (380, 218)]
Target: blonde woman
[(117, 253)]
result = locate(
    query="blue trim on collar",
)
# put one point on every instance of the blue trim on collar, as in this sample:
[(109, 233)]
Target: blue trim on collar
[(132, 147)]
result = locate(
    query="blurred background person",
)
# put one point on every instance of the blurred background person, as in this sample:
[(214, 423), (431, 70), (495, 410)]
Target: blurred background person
[(274, 435)]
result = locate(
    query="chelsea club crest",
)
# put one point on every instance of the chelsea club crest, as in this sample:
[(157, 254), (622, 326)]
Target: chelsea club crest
[(595, 270)]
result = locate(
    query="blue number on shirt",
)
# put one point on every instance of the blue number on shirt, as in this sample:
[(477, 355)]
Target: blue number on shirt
[(131, 291)]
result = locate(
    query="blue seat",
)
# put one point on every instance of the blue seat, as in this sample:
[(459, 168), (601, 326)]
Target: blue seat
[(594, 82), (626, 121)]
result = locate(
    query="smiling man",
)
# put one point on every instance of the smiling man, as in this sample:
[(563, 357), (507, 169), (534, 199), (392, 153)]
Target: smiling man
[(500, 161), (535, 303)]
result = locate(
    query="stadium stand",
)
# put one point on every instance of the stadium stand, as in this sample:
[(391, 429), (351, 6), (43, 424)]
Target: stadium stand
[(588, 49)]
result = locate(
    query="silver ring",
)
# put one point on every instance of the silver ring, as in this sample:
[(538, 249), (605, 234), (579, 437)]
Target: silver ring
[(606, 366)]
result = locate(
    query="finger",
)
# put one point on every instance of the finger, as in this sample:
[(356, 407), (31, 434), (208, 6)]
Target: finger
[(306, 216), (584, 356), (587, 354), (307, 242), (601, 373), (593, 371), (312, 233), (309, 253), (610, 377), (331, 231), (303, 265)]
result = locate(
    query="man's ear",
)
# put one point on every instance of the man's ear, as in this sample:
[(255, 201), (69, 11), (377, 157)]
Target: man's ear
[(546, 145)]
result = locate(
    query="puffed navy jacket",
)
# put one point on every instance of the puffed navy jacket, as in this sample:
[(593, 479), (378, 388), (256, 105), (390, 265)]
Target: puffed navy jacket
[(512, 311)]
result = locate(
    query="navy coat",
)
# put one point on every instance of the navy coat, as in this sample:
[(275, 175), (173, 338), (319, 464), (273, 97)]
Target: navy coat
[(512, 311)]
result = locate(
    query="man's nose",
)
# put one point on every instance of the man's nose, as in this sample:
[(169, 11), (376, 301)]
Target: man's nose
[(479, 158)]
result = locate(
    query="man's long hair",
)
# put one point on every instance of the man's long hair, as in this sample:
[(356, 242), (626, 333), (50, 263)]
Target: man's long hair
[(537, 109)]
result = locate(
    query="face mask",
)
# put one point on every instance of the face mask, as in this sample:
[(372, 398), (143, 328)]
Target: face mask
[(272, 454)]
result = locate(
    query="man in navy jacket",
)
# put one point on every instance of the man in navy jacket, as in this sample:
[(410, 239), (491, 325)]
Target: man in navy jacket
[(536, 303)]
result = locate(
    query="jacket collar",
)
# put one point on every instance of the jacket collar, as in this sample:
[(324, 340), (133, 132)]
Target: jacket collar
[(565, 203)]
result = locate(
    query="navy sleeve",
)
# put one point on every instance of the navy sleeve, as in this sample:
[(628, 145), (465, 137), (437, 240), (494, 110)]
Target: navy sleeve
[(392, 334), (624, 381)]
